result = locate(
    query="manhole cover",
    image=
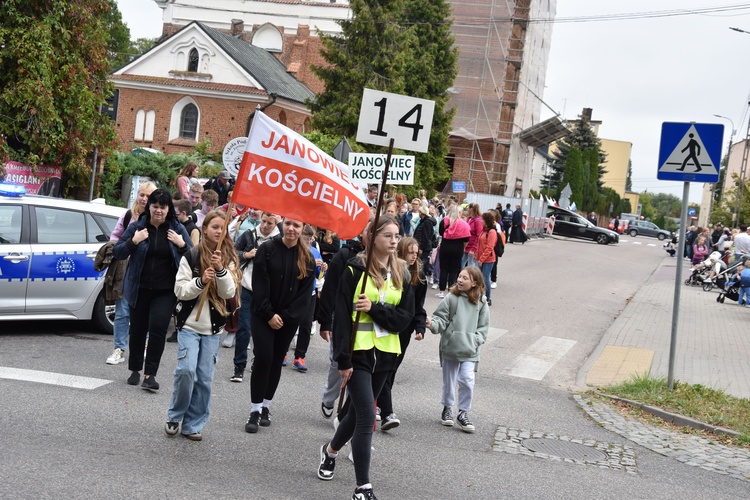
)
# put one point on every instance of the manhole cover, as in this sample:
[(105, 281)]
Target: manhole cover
[(564, 449)]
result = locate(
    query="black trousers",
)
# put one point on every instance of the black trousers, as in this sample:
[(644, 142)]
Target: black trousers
[(269, 348), (305, 330), (149, 317)]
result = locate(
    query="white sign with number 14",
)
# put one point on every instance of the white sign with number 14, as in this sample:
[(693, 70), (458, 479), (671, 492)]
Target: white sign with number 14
[(385, 116)]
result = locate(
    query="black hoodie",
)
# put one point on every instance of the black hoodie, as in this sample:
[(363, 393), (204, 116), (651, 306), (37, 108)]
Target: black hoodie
[(336, 268)]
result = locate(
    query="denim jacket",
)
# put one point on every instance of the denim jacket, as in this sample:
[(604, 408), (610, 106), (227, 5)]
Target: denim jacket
[(125, 248)]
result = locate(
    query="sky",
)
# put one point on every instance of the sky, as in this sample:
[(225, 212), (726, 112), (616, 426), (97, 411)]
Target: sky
[(634, 73)]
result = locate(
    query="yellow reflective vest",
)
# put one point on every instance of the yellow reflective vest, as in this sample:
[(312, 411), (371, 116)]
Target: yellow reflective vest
[(366, 337)]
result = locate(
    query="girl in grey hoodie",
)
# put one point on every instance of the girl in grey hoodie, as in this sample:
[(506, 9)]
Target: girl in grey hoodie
[(462, 319)]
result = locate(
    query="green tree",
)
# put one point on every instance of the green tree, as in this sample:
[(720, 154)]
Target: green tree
[(582, 137), (53, 81), (399, 46), (574, 175), (590, 195)]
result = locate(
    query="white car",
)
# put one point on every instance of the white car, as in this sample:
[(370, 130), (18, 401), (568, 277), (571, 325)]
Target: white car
[(47, 251)]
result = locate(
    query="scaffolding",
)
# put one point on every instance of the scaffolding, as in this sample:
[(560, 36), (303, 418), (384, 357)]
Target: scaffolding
[(491, 36)]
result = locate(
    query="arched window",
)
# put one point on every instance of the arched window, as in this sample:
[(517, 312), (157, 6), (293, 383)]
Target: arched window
[(189, 122), (140, 122), (193, 61), (282, 118)]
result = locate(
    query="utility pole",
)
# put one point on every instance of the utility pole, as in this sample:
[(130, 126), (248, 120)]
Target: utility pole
[(741, 183), (729, 155)]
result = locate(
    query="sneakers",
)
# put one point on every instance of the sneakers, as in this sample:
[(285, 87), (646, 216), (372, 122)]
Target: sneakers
[(253, 420), (493, 285), (239, 372), (117, 357), (283, 363), (173, 337), (464, 422), (196, 436), (134, 378), (446, 418), (434, 286), (377, 414), (265, 417), (489, 302), (440, 295), (172, 428), (327, 464), (150, 383), (299, 364), (326, 411), (390, 422), (228, 340), (363, 494)]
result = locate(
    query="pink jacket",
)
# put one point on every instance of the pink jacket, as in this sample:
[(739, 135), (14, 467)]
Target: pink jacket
[(475, 227)]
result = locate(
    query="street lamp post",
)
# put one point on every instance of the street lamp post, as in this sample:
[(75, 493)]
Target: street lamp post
[(729, 153)]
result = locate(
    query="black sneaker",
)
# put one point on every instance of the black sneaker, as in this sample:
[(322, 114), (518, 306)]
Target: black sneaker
[(390, 422), (364, 494), (172, 428), (134, 378), (446, 418), (326, 410), (265, 417), (464, 423), (327, 464), (239, 372), (251, 425), (150, 383), (173, 337)]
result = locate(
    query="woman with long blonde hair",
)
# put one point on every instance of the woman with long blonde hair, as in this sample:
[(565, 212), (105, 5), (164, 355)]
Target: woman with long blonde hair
[(212, 269)]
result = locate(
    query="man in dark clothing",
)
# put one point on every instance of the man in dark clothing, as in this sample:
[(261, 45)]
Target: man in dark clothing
[(423, 234), (715, 235), (507, 221), (222, 185), (517, 233)]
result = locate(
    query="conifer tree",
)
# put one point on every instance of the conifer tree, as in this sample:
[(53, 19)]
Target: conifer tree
[(582, 137), (573, 174), (590, 195)]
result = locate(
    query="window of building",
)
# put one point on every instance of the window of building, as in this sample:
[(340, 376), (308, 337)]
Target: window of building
[(193, 60), (189, 122), (144, 125)]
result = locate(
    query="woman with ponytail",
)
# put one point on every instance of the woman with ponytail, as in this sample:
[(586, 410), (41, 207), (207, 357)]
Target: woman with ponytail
[(211, 269)]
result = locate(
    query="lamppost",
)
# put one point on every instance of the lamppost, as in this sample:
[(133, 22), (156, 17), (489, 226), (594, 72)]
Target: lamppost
[(729, 152)]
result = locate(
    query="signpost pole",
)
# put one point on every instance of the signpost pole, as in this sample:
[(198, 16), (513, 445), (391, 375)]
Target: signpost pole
[(678, 285)]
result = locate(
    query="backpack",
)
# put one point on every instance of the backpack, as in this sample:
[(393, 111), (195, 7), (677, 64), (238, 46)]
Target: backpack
[(500, 244)]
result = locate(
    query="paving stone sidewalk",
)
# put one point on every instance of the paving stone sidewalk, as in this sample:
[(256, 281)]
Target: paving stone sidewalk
[(696, 451)]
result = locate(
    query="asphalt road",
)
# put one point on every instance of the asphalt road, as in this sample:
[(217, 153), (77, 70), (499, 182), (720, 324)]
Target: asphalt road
[(554, 300)]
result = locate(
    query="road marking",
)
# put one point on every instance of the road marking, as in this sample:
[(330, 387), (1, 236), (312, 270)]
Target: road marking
[(495, 333), (650, 245), (536, 361), (637, 243), (51, 378), (618, 364)]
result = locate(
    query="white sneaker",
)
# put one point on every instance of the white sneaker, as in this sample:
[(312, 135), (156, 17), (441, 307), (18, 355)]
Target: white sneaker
[(434, 286), (228, 340), (493, 285), (440, 295), (117, 357)]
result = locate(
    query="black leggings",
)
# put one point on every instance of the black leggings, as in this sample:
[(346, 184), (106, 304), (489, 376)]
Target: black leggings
[(149, 316), (358, 420), (385, 402), (269, 348), (451, 252), (305, 330)]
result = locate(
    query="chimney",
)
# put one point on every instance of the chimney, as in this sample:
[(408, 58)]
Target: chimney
[(586, 114), (238, 26)]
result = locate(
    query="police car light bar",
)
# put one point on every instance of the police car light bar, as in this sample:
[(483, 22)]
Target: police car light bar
[(11, 190)]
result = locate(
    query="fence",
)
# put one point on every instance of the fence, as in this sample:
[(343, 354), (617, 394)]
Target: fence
[(535, 210)]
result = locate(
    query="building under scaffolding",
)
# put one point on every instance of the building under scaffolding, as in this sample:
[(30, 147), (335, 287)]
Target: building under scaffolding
[(503, 53)]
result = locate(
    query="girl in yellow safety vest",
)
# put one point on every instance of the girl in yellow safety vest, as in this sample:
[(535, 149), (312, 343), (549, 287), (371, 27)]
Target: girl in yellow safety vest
[(385, 308)]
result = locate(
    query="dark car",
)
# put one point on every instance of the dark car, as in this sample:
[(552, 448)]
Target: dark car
[(572, 225), (646, 228)]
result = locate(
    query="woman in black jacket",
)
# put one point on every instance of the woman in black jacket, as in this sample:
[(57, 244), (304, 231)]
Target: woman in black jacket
[(283, 277)]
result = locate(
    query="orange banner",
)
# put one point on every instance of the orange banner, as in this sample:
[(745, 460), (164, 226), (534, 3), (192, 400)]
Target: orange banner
[(284, 173)]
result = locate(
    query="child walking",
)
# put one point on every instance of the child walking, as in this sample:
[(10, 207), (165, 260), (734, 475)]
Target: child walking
[(462, 319), (211, 266)]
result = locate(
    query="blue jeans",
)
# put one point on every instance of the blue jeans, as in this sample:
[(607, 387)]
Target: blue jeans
[(744, 293), (486, 272), (193, 377), (121, 324), (242, 339)]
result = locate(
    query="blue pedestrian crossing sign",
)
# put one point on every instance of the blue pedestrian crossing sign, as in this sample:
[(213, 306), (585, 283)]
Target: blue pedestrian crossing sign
[(690, 152)]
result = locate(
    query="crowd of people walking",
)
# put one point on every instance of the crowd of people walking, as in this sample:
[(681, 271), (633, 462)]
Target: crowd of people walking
[(261, 281)]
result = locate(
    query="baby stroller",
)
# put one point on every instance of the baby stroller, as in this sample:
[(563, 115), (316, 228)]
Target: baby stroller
[(701, 273), (732, 293)]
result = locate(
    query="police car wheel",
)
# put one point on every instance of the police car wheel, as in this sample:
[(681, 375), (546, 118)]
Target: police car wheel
[(103, 315)]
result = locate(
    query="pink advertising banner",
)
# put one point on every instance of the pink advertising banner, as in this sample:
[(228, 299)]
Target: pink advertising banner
[(43, 180)]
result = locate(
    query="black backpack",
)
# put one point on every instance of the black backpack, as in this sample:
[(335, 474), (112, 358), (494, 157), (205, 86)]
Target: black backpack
[(499, 247)]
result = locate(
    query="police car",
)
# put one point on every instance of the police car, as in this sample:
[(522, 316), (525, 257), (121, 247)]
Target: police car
[(47, 251)]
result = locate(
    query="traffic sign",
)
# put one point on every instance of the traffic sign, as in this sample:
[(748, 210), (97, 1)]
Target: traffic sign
[(459, 186), (690, 152), (691, 212), (385, 116)]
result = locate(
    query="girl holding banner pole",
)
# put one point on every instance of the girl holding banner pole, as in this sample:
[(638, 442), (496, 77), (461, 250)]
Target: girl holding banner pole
[(366, 356), (283, 276)]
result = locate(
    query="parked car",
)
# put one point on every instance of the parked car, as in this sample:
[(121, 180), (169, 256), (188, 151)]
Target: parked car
[(572, 225), (47, 251), (621, 228), (646, 228)]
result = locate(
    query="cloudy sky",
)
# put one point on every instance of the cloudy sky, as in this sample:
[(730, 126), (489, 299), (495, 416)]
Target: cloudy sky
[(650, 65)]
